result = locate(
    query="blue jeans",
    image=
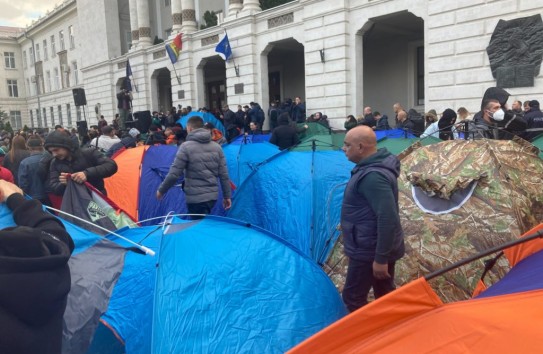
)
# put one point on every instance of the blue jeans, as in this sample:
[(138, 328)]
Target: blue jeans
[(359, 282)]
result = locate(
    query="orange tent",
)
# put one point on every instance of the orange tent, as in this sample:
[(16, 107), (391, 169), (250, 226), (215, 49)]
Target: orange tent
[(505, 318)]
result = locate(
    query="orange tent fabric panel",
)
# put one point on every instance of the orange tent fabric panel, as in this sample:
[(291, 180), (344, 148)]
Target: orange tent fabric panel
[(123, 187), (519, 252), (396, 307), (501, 324)]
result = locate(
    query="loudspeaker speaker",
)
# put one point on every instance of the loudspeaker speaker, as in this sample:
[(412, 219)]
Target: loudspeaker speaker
[(143, 121), (79, 97), (82, 128)]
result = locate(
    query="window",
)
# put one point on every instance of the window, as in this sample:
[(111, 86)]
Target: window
[(57, 79), (31, 119), (69, 114), (53, 47), (12, 88), (59, 114), (166, 3), (31, 53), (38, 117), (38, 55), (419, 99), (72, 37), (28, 87), (61, 40), (25, 63), (45, 54), (16, 121), (52, 112), (48, 76), (76, 74), (128, 39), (9, 58), (45, 117)]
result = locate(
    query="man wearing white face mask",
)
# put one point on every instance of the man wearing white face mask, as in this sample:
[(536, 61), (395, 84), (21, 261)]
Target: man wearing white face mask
[(492, 113)]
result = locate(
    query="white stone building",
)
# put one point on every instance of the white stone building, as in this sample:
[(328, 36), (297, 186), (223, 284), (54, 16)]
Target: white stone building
[(338, 56)]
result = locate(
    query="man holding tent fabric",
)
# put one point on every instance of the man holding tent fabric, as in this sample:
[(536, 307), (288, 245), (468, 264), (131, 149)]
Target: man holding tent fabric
[(201, 161), (370, 220)]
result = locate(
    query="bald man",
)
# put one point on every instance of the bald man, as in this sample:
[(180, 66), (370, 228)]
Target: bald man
[(370, 219)]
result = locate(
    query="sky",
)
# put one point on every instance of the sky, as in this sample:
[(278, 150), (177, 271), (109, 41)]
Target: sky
[(20, 13)]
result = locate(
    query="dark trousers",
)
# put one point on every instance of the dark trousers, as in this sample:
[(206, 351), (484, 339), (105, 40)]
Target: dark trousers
[(200, 208), (359, 282)]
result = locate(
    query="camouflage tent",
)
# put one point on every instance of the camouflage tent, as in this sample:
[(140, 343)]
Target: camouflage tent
[(460, 197), (469, 196)]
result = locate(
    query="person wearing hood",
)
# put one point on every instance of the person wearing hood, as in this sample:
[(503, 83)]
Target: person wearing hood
[(35, 276), (534, 121), (216, 135), (201, 161), (370, 219), (81, 165), (446, 125), (494, 122)]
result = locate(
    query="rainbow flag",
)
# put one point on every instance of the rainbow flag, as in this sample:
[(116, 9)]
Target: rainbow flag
[(174, 48)]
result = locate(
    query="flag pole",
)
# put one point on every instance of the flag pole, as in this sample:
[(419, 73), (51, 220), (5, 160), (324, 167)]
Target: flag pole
[(177, 76)]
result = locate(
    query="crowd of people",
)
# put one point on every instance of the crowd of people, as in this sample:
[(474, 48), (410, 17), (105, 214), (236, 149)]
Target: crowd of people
[(495, 120)]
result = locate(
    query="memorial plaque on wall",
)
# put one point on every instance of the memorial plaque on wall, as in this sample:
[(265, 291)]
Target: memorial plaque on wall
[(181, 94), (515, 51), (238, 89)]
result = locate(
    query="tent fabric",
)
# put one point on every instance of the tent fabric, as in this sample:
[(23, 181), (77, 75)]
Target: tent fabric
[(297, 196), (397, 144), (244, 158), (250, 139), (126, 179), (240, 290), (95, 266), (506, 202), (518, 253), (538, 142), (433, 204), (412, 319), (207, 117)]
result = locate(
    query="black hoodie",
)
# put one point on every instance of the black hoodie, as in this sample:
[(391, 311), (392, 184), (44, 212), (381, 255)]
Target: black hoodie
[(35, 279)]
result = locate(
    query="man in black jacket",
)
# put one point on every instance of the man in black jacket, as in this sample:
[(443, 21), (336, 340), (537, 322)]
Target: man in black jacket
[(81, 165), (34, 275), (285, 135)]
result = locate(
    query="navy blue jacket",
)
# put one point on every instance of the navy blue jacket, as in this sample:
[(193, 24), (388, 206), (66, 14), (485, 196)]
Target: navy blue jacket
[(29, 178)]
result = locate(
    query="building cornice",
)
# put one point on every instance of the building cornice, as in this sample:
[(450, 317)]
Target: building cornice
[(59, 12)]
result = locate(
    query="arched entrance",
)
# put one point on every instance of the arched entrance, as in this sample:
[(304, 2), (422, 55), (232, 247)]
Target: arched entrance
[(161, 90), (213, 83), (285, 71), (392, 68)]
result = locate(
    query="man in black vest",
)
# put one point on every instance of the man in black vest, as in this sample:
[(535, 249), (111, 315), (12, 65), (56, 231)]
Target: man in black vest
[(370, 219)]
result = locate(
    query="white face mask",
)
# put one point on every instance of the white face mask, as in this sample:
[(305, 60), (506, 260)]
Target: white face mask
[(498, 116)]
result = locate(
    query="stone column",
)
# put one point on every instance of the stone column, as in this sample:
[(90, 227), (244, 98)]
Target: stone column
[(234, 7), (135, 32), (144, 24), (251, 6), (176, 16), (189, 16)]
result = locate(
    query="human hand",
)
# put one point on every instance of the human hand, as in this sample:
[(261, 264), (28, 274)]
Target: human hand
[(227, 203), (7, 189), (380, 271), (79, 177), (63, 178)]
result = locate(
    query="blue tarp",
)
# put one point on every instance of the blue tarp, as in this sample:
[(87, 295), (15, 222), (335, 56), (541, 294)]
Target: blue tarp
[(393, 134), (237, 289), (207, 117), (297, 195)]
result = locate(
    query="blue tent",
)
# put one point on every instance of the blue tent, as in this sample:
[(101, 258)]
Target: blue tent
[(297, 195), (207, 117), (243, 156), (222, 287)]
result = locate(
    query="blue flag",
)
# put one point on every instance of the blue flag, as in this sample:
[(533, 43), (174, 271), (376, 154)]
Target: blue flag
[(127, 80), (223, 48)]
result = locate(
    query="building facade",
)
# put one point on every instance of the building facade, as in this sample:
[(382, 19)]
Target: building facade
[(338, 56)]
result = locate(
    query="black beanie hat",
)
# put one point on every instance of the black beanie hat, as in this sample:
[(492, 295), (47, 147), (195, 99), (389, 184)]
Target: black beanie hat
[(59, 139)]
